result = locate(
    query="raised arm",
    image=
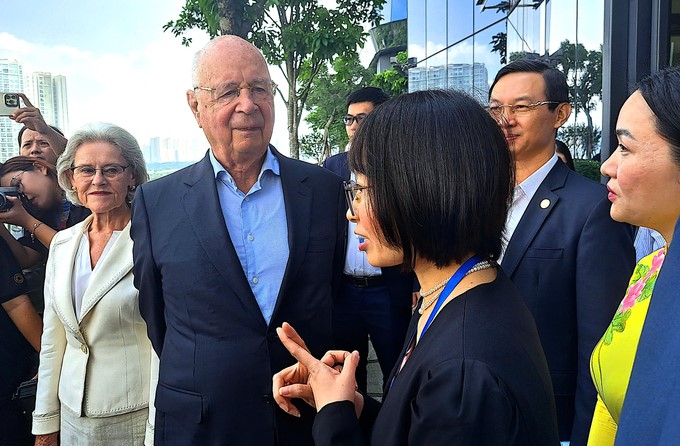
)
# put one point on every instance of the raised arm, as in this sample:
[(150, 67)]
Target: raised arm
[(31, 117)]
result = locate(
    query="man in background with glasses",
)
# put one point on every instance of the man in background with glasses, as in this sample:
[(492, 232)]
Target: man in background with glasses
[(225, 251), (568, 258), (372, 301)]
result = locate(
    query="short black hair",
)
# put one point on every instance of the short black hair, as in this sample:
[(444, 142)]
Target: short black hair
[(661, 92), (440, 174), (24, 128), (374, 95), (556, 88)]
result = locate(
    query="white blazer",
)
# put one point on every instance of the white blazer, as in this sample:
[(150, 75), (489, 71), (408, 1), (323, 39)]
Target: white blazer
[(100, 366)]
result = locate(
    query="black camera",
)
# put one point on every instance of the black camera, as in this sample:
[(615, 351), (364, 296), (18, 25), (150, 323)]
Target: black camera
[(5, 192)]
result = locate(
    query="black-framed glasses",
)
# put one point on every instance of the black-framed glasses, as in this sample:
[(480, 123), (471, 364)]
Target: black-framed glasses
[(228, 92), (349, 119), (353, 192), (516, 109), (110, 171)]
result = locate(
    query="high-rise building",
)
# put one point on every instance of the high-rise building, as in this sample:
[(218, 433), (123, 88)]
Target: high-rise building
[(49, 95), (11, 81)]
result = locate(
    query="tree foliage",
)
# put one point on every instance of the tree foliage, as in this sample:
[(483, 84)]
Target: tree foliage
[(581, 139), (295, 35), (327, 99), (583, 69), (395, 80)]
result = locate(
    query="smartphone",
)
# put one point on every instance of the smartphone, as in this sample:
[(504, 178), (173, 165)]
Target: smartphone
[(9, 103)]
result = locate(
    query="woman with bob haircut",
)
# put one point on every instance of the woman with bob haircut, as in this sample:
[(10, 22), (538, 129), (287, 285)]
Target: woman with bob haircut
[(644, 188), (433, 185), (94, 377)]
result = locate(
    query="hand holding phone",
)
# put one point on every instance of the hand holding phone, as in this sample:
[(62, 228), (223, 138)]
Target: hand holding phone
[(9, 103)]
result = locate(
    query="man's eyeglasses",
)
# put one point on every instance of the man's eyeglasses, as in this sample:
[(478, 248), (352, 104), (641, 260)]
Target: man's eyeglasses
[(516, 109), (110, 171), (353, 192), (349, 119), (226, 93)]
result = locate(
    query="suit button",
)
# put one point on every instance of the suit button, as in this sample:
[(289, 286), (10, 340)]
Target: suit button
[(267, 399), (83, 348)]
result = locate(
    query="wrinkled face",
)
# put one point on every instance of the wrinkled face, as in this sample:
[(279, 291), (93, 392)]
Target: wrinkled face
[(532, 133), (377, 252), (36, 145), (101, 192), (242, 126), (644, 185), (358, 110), (39, 188)]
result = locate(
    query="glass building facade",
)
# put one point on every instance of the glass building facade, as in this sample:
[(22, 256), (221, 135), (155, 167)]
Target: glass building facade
[(604, 46)]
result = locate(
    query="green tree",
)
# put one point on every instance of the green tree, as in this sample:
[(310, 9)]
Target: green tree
[(294, 35), (326, 101), (580, 138), (312, 148), (583, 69), (395, 80)]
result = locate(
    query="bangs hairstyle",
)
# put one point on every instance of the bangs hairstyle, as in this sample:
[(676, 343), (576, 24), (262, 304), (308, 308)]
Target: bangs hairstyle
[(440, 176), (108, 133), (661, 92), (27, 163)]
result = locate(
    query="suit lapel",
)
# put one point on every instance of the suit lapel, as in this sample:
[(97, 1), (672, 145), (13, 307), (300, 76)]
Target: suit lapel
[(539, 208), (211, 231), (66, 249), (113, 267), (297, 197)]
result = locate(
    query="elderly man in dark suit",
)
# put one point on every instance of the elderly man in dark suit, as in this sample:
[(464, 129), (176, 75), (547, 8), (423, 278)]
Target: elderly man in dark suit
[(371, 301), (569, 259), (225, 251)]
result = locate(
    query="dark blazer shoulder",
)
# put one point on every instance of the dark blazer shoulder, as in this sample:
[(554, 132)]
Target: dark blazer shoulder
[(338, 164)]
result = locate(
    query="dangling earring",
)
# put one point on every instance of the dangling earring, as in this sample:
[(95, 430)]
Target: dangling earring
[(133, 187), (73, 188)]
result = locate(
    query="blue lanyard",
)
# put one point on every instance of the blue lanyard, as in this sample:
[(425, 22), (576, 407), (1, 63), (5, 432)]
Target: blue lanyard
[(450, 285)]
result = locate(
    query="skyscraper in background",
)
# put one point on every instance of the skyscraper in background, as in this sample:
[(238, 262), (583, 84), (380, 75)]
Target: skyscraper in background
[(11, 81), (49, 95)]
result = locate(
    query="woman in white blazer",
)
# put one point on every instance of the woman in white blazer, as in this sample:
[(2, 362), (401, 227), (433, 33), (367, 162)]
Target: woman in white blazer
[(93, 379)]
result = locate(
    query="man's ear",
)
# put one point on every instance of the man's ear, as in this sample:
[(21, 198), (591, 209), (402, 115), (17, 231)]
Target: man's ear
[(193, 105), (563, 111)]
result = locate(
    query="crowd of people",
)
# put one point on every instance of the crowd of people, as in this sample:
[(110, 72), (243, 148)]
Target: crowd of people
[(510, 300)]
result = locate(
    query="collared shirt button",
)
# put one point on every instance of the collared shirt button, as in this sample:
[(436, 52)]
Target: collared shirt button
[(83, 348), (250, 237), (255, 280), (247, 198)]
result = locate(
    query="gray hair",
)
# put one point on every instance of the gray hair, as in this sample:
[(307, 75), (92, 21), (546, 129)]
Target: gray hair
[(108, 133)]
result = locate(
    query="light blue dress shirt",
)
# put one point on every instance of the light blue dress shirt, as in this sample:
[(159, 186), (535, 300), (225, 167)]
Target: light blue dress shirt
[(256, 222)]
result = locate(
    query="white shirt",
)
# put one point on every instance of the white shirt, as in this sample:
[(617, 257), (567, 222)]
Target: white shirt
[(82, 269), (521, 197), (355, 260)]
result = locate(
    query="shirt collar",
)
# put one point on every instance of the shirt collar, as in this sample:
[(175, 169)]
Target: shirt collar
[(530, 185), (271, 163)]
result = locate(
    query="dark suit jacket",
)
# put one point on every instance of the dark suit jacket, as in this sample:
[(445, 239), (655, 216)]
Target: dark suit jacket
[(652, 404), (217, 354), (399, 285), (478, 377), (571, 262)]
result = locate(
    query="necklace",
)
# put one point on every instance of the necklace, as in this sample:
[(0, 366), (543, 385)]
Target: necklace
[(484, 264)]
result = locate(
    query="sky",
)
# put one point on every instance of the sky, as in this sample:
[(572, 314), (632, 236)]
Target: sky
[(120, 66)]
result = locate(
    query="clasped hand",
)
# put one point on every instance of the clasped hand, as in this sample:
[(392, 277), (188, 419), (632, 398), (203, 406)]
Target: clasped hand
[(317, 382)]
